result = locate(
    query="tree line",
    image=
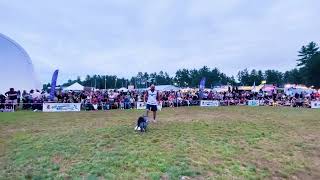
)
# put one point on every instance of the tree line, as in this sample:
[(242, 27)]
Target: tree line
[(306, 72)]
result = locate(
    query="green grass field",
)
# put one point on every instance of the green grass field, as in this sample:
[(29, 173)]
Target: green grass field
[(197, 143)]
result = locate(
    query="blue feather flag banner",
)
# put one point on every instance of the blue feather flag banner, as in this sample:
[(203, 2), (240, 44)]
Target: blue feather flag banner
[(202, 83), (53, 84)]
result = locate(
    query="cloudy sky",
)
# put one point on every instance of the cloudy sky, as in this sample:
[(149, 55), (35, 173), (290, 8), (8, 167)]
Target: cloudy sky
[(123, 37)]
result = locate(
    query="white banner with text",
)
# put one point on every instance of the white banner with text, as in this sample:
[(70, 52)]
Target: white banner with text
[(61, 107), (209, 103), (315, 104)]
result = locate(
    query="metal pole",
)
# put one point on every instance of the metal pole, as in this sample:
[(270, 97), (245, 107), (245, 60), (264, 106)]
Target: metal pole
[(105, 82), (135, 84)]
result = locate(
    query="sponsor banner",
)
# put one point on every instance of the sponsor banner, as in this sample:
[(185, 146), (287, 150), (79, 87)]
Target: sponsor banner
[(142, 105), (315, 104), (209, 103), (253, 103), (53, 84), (202, 84), (61, 107)]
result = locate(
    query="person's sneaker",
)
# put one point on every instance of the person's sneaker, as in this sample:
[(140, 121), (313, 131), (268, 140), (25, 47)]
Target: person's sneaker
[(136, 128), (139, 129)]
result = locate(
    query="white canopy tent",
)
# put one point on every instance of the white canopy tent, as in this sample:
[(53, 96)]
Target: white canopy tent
[(74, 87), (167, 88), (123, 89)]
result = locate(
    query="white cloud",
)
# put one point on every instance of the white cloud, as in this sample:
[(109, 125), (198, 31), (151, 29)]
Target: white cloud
[(124, 37)]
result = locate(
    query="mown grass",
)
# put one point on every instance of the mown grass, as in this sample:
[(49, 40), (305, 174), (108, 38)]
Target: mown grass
[(199, 143)]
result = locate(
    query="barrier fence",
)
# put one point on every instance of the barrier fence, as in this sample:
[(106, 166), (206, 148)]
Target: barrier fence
[(62, 107)]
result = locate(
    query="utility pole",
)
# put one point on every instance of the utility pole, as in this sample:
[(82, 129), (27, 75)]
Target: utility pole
[(105, 82), (135, 84)]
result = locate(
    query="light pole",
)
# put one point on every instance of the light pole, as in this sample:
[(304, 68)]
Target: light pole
[(135, 84), (105, 82)]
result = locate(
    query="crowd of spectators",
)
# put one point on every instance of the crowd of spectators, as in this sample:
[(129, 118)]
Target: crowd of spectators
[(27, 100), (113, 99)]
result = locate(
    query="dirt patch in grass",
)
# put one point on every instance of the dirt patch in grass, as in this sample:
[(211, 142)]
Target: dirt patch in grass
[(57, 159)]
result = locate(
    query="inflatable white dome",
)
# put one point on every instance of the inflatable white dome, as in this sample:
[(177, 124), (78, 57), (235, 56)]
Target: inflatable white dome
[(16, 67)]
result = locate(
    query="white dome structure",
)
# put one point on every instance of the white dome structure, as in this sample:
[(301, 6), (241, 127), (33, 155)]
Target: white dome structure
[(16, 67)]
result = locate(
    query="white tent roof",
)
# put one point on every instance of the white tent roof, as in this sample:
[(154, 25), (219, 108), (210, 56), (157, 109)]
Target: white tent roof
[(74, 87), (167, 88), (123, 89)]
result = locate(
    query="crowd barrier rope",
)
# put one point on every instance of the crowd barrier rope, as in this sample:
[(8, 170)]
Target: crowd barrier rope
[(57, 107)]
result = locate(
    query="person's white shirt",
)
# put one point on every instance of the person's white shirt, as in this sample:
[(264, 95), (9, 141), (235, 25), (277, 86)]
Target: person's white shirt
[(36, 95), (152, 97), (131, 100)]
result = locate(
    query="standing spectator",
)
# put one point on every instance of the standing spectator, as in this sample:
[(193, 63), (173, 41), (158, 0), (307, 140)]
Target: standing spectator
[(12, 98), (2, 101), (25, 100), (210, 96), (132, 102), (18, 97), (127, 102), (94, 102)]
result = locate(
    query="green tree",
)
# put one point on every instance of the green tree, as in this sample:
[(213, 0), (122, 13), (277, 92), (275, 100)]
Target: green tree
[(309, 64), (194, 78), (293, 77), (182, 78), (274, 77), (244, 77), (306, 52), (311, 70)]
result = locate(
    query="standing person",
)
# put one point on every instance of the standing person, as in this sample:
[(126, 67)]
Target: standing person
[(18, 97), (2, 101), (152, 99), (12, 97)]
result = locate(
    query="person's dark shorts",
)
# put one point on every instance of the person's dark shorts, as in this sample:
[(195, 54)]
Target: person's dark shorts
[(152, 107)]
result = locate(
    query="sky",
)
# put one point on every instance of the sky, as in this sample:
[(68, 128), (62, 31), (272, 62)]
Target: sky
[(123, 37)]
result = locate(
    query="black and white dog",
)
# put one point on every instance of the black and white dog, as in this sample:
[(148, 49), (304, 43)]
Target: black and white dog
[(142, 124)]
